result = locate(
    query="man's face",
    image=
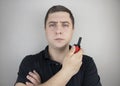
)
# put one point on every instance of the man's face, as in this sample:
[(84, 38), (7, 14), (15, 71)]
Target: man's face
[(59, 29)]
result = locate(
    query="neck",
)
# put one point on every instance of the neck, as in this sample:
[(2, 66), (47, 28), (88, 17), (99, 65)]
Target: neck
[(58, 54)]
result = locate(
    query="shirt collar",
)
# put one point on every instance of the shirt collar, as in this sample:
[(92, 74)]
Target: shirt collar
[(47, 55)]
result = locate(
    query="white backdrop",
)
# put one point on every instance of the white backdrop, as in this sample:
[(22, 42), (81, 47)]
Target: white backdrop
[(22, 33)]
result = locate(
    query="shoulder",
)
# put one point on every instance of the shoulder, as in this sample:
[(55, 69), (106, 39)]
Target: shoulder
[(87, 59), (31, 59), (88, 63)]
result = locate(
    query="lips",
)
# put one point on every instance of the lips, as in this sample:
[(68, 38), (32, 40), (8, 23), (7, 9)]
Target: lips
[(59, 39)]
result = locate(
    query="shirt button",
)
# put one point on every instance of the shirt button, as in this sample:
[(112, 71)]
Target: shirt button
[(56, 64)]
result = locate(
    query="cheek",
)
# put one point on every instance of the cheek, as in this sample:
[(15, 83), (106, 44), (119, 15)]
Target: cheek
[(70, 33), (49, 35)]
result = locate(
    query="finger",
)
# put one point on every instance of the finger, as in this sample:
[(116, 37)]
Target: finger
[(71, 52), (34, 81), (80, 51), (36, 73), (29, 84), (39, 78), (79, 54), (35, 76)]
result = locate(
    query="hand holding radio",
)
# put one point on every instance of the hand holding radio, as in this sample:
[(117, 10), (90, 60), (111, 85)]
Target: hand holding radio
[(73, 60)]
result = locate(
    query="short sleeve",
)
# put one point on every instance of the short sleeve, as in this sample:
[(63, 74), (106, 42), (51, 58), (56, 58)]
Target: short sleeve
[(91, 77), (24, 68)]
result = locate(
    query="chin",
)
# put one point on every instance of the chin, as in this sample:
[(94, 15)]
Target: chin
[(61, 46)]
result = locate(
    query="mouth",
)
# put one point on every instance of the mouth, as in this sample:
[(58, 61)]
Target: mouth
[(59, 39)]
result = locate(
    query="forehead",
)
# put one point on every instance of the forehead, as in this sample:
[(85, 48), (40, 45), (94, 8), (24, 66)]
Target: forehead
[(59, 16)]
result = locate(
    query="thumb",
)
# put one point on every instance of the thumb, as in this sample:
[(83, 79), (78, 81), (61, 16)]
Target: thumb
[(72, 50)]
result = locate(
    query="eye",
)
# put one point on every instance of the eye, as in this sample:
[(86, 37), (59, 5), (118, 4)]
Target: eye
[(52, 25), (65, 25)]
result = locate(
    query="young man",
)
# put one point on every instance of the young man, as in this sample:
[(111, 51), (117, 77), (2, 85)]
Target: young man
[(58, 65)]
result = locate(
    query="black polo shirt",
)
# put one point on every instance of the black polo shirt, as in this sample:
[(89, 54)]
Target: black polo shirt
[(41, 62)]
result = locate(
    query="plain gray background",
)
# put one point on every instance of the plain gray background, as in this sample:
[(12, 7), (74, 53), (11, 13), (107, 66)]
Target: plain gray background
[(22, 33)]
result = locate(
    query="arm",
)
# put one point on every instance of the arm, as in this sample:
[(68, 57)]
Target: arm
[(71, 65), (60, 79)]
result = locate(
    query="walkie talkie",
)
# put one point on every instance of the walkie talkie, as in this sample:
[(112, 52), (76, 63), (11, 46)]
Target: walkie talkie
[(77, 46)]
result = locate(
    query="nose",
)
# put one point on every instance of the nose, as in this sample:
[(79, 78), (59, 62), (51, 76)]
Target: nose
[(58, 30)]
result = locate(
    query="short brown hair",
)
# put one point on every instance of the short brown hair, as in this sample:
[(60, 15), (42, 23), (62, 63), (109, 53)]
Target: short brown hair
[(58, 8)]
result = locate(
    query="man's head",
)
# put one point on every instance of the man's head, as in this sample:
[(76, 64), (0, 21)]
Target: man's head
[(59, 8), (59, 26)]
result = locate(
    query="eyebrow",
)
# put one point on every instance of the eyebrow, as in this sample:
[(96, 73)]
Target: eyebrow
[(65, 22), (57, 22), (52, 22)]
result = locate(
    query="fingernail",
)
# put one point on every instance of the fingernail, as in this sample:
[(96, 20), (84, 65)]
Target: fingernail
[(34, 71), (73, 48), (27, 83), (30, 72), (27, 76)]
